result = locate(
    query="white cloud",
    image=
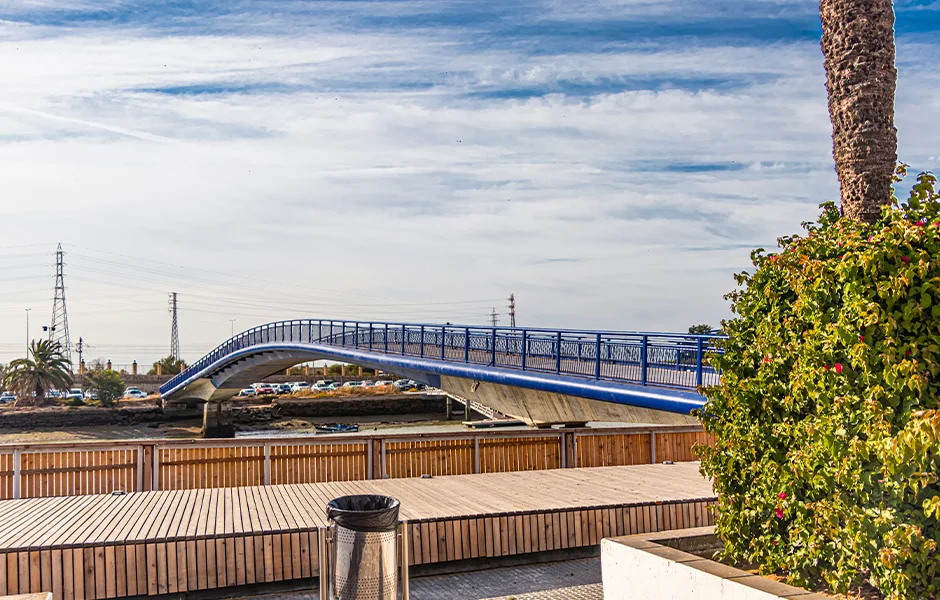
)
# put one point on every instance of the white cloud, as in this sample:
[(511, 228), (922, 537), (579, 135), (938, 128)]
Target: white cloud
[(343, 155)]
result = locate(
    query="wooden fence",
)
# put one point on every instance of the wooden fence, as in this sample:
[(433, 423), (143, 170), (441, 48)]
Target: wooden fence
[(69, 469)]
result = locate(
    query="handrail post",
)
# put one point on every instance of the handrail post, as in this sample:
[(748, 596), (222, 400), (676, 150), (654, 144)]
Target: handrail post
[(643, 360), (494, 348), (558, 354), (267, 464), (370, 337), (443, 340), (597, 357), (421, 343), (402, 340), (356, 335), (523, 348), (466, 344), (385, 340), (331, 331), (698, 364), (344, 333)]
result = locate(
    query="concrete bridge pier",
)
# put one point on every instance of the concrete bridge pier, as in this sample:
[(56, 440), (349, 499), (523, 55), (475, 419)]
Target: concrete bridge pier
[(217, 421)]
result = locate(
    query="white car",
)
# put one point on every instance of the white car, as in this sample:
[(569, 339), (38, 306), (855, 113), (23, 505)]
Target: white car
[(133, 392), (7, 398), (75, 394), (248, 392), (300, 386), (352, 384), (323, 387)]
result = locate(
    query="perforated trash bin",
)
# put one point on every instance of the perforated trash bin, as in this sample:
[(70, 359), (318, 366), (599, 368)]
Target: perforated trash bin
[(365, 550)]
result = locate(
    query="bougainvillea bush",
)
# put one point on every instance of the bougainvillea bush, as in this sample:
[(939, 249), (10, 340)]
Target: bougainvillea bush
[(826, 420)]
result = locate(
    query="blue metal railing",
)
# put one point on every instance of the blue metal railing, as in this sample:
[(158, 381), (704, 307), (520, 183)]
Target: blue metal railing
[(655, 359)]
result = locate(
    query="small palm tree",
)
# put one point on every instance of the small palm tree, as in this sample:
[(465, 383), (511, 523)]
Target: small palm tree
[(861, 78), (45, 369)]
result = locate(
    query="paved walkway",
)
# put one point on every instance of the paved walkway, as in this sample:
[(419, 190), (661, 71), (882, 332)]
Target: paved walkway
[(567, 580)]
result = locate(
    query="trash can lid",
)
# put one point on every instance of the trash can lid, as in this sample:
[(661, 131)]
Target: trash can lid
[(364, 512)]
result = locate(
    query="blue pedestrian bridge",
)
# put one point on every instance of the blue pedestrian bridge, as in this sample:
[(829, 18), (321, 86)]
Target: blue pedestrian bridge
[(541, 376)]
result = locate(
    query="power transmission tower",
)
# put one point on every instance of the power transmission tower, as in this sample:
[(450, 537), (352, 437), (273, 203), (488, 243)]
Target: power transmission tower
[(512, 310), (81, 361), (59, 327), (174, 330), (494, 317)]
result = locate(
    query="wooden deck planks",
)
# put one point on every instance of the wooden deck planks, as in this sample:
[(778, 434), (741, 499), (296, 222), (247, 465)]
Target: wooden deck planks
[(97, 547)]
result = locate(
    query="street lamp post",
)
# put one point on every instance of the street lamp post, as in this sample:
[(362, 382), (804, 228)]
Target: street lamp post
[(232, 321), (27, 328)]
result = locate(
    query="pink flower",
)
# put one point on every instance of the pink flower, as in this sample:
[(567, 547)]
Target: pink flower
[(920, 223), (871, 238), (838, 367), (767, 359), (826, 367), (861, 338), (774, 542), (782, 495), (779, 512), (905, 260)]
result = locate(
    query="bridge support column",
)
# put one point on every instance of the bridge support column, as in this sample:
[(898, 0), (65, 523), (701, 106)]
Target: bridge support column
[(360, 371), (466, 411), (217, 421), (449, 407)]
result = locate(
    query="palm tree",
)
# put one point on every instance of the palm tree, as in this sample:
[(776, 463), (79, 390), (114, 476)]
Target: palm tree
[(45, 369), (858, 47)]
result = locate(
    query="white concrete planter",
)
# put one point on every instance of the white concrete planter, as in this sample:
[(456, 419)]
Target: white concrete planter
[(659, 566)]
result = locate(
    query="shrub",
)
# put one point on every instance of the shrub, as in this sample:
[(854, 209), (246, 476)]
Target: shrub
[(107, 383), (826, 424)]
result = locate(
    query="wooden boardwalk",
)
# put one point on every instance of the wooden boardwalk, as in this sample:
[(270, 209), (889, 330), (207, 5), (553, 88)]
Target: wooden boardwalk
[(150, 543)]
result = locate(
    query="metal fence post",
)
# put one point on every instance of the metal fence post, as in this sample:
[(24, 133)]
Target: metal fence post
[(405, 559), (476, 452), (421, 343), (356, 335), (443, 340), (653, 447), (558, 354), (494, 348), (523, 349), (698, 364), (466, 344), (597, 357), (370, 337), (17, 474), (156, 468), (267, 464), (643, 360), (323, 556), (403, 340), (385, 341)]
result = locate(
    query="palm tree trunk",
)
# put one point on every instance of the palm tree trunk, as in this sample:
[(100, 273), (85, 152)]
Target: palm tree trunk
[(858, 47)]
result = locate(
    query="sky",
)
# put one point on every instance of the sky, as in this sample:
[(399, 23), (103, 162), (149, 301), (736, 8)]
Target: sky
[(610, 163)]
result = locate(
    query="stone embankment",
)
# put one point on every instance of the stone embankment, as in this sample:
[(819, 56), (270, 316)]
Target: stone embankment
[(244, 413)]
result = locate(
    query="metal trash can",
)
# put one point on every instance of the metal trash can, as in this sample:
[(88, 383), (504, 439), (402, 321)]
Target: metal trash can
[(365, 547)]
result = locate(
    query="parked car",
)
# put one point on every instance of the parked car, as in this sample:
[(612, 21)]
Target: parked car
[(325, 382), (283, 388), (75, 394), (133, 392), (384, 383), (300, 386), (367, 384), (7, 398), (265, 390), (323, 387), (352, 384), (53, 394), (91, 394), (248, 392)]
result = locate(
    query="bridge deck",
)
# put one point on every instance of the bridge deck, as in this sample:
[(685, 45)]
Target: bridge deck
[(150, 543)]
